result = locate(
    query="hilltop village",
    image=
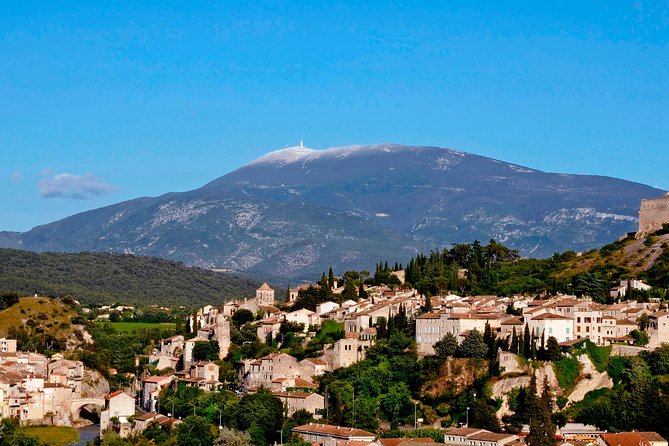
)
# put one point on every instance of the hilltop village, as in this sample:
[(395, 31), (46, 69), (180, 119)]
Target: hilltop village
[(36, 389)]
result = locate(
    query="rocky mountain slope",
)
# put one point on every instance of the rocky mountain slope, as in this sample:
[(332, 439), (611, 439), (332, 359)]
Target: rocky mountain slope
[(294, 212)]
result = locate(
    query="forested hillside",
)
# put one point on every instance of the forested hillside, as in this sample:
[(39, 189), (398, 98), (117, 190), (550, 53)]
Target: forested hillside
[(494, 269), (99, 278)]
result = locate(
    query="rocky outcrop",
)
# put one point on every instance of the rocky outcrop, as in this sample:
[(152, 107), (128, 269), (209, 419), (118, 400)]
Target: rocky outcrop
[(94, 384), (590, 380), (517, 375), (456, 375)]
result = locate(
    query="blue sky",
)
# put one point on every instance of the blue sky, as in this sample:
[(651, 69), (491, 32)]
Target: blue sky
[(100, 103)]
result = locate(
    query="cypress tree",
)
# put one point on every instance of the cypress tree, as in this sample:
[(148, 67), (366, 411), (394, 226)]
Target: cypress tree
[(331, 279), (533, 346), (527, 343), (489, 339), (514, 342), (324, 280), (542, 428), (428, 304)]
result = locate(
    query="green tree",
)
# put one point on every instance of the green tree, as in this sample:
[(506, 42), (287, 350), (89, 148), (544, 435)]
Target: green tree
[(241, 317), (195, 431), (483, 415), (262, 414), (206, 351), (553, 352), (446, 346), (473, 346), (232, 437), (331, 279), (643, 321), (542, 428)]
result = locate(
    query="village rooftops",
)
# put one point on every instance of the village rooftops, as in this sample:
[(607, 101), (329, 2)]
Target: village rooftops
[(463, 431), (404, 441), (156, 379), (327, 430), (429, 316), (512, 321), (297, 395), (490, 436), (545, 316), (633, 439)]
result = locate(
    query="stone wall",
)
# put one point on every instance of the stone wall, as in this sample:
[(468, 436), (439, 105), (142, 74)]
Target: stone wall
[(652, 213)]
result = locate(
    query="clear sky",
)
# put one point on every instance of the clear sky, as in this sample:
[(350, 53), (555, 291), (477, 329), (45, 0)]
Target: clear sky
[(100, 103)]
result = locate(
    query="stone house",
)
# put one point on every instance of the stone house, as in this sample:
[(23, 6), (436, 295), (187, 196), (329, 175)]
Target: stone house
[(658, 330), (294, 401), (476, 437), (7, 345), (151, 386), (304, 316), (120, 406), (267, 329), (345, 352), (326, 435), (549, 324)]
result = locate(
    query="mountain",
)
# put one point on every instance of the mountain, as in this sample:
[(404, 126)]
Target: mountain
[(294, 212), (102, 278)]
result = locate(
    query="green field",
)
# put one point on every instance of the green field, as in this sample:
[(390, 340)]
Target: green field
[(136, 326), (53, 435)]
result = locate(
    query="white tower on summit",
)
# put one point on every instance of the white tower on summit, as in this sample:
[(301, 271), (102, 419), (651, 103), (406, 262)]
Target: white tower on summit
[(301, 143)]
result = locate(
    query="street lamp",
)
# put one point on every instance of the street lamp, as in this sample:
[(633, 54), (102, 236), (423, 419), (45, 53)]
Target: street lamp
[(467, 424), (220, 415), (415, 420), (193, 408), (172, 401)]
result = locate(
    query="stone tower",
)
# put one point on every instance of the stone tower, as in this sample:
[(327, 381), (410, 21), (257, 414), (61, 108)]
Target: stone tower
[(265, 295), (222, 335), (652, 214)]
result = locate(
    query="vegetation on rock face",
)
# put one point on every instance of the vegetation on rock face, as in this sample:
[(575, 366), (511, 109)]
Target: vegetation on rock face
[(99, 278)]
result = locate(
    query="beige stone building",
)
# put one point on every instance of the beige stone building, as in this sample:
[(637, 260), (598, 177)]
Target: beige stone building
[(294, 401), (120, 407), (652, 214)]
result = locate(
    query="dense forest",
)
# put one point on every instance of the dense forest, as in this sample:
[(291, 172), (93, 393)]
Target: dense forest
[(100, 278)]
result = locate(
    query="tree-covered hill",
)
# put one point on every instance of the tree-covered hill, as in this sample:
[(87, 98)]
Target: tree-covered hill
[(494, 269), (99, 278)]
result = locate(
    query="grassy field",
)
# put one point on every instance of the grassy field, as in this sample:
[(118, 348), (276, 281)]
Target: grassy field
[(136, 326), (53, 435)]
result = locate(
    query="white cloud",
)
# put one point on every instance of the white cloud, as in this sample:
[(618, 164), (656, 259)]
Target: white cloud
[(67, 185), (17, 176)]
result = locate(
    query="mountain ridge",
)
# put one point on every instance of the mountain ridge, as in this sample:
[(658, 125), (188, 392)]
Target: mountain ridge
[(293, 212)]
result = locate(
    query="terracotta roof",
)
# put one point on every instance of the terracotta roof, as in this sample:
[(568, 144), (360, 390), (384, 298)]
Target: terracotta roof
[(490, 436), (117, 393), (463, 431), (429, 316), (265, 287), (156, 379), (298, 395), (513, 321), (625, 322), (631, 438), (146, 416), (333, 431), (544, 316), (301, 382), (403, 441)]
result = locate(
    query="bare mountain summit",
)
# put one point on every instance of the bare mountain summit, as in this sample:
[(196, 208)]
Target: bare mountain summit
[(294, 212)]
